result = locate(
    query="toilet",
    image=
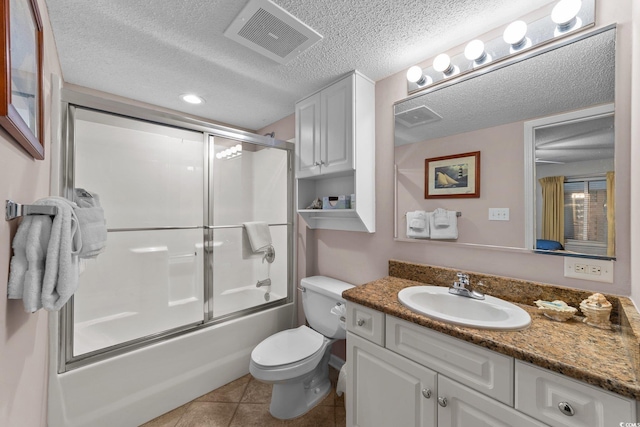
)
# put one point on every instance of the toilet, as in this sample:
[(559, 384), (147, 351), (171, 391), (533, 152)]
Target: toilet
[(296, 361)]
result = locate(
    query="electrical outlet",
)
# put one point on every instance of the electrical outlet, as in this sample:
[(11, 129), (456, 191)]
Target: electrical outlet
[(589, 269), (498, 214)]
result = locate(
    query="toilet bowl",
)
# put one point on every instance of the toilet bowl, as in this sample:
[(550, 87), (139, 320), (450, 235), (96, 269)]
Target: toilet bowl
[(296, 361)]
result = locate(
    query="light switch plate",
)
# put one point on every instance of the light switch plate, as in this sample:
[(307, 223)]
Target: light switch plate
[(498, 214), (598, 270)]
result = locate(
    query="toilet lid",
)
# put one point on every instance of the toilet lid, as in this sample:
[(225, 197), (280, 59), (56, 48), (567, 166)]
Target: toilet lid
[(287, 347)]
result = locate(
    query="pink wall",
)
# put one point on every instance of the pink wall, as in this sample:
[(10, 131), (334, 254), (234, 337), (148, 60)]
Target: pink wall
[(501, 183), (23, 336), (284, 128), (359, 257)]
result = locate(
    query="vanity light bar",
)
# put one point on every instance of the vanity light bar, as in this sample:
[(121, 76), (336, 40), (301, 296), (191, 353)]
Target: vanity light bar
[(567, 17)]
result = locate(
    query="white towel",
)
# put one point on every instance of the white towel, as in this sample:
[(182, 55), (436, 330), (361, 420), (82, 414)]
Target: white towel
[(450, 232), (418, 225), (93, 227), (259, 235), (44, 268), (440, 218)]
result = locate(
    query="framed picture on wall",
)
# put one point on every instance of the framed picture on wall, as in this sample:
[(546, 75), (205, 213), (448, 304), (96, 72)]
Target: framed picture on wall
[(21, 102), (454, 176)]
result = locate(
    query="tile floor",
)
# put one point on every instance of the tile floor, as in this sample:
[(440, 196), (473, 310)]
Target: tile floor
[(245, 403)]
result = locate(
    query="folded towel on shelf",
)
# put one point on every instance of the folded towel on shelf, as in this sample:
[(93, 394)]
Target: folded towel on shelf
[(258, 234), (44, 267), (93, 226), (418, 225), (449, 232)]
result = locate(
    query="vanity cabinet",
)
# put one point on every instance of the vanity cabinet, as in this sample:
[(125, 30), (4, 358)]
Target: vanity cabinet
[(404, 374), (335, 153)]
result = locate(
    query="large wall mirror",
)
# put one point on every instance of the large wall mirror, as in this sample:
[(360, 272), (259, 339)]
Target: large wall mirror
[(549, 114)]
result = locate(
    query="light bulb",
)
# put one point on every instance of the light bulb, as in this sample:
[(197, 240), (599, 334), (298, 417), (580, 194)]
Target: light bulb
[(219, 155), (239, 147), (475, 52), (516, 34), (233, 150), (442, 64), (414, 74), (192, 98), (564, 15)]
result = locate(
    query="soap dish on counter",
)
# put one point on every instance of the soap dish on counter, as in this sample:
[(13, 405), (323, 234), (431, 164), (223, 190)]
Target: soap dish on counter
[(556, 310)]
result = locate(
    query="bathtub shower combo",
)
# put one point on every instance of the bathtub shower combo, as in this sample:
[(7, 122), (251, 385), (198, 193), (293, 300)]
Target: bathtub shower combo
[(178, 268)]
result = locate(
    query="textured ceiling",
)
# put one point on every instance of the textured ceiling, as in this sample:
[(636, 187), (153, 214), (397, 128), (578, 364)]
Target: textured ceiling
[(155, 50)]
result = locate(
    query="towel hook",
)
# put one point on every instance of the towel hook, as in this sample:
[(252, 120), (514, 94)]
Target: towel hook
[(15, 210)]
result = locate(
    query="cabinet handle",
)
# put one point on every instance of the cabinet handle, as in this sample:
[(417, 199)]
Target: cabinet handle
[(360, 322), (426, 393), (566, 409), (320, 163), (442, 401)]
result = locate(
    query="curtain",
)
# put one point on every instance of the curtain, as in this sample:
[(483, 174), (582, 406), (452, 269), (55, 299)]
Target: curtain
[(553, 208), (611, 213)]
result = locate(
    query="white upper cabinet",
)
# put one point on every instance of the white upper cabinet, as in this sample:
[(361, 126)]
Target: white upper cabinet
[(324, 130), (308, 136), (335, 153)]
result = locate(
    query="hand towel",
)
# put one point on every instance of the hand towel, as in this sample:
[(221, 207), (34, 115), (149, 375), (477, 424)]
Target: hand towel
[(440, 218), (259, 235), (93, 226), (450, 232), (44, 268), (418, 225)]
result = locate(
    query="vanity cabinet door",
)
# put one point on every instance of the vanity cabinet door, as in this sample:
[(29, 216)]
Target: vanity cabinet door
[(384, 389), (483, 370), (459, 406), (564, 402)]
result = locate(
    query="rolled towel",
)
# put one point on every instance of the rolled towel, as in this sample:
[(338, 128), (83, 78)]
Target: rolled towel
[(418, 225), (440, 218), (93, 226), (259, 235)]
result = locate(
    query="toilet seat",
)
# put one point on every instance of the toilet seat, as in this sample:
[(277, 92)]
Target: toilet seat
[(288, 354), (286, 347)]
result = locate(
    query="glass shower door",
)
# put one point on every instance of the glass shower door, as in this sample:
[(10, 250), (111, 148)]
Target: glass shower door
[(151, 182), (249, 184)]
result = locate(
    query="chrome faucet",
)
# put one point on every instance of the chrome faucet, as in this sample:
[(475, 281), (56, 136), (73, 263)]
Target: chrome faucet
[(265, 282), (460, 288)]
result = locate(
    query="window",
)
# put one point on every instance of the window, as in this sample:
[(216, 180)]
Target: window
[(585, 215)]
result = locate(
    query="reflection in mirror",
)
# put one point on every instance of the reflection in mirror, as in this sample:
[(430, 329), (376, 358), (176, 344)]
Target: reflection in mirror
[(575, 182), (486, 112)]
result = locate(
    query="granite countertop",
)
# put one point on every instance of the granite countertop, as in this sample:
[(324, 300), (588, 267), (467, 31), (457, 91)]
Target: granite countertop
[(599, 357)]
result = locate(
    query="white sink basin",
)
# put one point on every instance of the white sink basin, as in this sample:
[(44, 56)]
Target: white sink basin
[(491, 313)]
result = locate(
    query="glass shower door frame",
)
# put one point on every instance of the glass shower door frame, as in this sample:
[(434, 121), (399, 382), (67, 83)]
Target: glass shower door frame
[(71, 101)]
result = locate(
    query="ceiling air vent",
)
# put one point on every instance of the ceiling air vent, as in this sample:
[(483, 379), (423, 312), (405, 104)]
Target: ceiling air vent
[(271, 31), (418, 116)]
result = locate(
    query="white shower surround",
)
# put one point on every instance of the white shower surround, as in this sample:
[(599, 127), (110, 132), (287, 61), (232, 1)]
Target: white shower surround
[(139, 385)]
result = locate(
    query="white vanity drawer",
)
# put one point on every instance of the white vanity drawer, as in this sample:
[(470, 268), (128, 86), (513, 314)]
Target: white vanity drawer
[(483, 370), (541, 393), (365, 322)]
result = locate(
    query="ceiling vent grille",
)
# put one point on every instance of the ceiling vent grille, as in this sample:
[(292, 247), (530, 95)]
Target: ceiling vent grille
[(271, 31), (418, 116)]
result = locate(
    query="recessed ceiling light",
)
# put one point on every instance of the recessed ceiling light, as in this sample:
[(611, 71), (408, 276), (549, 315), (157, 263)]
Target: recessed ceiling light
[(192, 99)]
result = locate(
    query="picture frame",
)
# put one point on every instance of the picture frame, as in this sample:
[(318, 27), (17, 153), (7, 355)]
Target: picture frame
[(21, 92), (454, 176)]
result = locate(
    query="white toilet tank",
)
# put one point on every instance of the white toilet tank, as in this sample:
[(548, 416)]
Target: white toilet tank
[(321, 294)]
